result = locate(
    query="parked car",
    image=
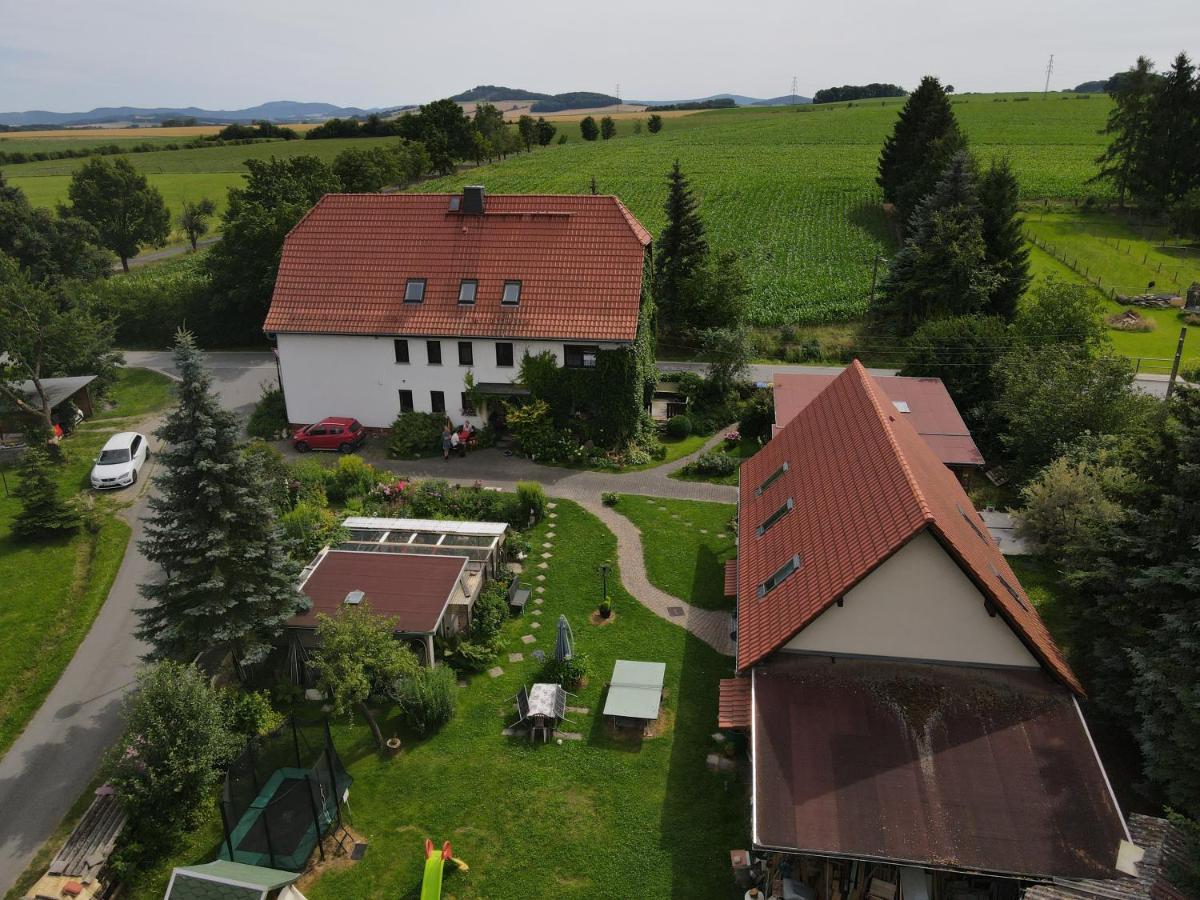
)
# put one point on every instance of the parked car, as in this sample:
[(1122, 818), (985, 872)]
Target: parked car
[(334, 433), (120, 461)]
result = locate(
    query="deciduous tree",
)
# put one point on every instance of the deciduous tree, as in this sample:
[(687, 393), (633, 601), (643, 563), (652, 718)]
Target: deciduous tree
[(960, 350), (358, 655), (121, 205), (50, 247), (528, 130), (226, 580), (193, 219), (545, 131)]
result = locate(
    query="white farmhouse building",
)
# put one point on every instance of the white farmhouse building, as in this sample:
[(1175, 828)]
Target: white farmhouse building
[(385, 302)]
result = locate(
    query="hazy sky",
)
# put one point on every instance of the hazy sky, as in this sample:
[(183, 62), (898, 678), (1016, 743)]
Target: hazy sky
[(69, 55)]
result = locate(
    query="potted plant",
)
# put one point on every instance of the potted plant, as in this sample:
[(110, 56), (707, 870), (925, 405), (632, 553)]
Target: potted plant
[(605, 608)]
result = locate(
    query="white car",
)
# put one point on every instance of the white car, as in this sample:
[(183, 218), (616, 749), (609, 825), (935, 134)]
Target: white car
[(120, 460)]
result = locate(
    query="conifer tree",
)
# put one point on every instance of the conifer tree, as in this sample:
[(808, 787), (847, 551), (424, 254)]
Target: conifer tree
[(1174, 126), (925, 137), (1123, 162), (43, 514), (226, 580), (942, 268), (1007, 253), (680, 253)]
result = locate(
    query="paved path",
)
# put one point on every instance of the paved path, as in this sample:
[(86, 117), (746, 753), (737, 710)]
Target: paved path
[(51, 763), (238, 376), (166, 253)]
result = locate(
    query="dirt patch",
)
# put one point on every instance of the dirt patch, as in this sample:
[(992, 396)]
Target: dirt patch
[(596, 619), (336, 857)]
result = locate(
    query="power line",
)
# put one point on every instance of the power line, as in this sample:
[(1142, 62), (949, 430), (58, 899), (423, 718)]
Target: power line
[(795, 88), (1049, 71)]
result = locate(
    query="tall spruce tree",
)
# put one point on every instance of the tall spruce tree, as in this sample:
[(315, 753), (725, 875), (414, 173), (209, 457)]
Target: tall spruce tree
[(227, 582), (681, 252), (1124, 161), (1142, 622), (1007, 254), (942, 269), (1174, 133), (924, 139)]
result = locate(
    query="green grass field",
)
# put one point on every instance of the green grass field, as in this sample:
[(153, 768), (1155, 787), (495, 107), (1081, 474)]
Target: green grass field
[(55, 588), (685, 544), (791, 189), (608, 816)]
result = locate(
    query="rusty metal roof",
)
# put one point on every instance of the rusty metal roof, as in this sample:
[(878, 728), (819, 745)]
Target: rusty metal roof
[(930, 410), (414, 589), (953, 767)]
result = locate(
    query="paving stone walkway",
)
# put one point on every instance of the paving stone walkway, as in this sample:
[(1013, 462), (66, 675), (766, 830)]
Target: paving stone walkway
[(491, 468)]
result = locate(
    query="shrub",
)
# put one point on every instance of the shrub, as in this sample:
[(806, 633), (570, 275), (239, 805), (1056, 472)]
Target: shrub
[(469, 656), (307, 528), (491, 612), (758, 415), (609, 498), (269, 418), (354, 477), (679, 426), (533, 427), (531, 500), (435, 499), (637, 457), (426, 699), (311, 481), (714, 463), (253, 715), (416, 434), (567, 672)]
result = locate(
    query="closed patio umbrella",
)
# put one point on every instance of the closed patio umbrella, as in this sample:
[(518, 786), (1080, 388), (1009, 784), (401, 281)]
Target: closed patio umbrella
[(564, 644)]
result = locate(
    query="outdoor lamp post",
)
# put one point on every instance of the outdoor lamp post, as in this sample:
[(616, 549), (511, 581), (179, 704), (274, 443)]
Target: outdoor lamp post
[(604, 567)]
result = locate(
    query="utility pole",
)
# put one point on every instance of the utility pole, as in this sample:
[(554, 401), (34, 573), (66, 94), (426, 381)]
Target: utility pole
[(795, 88), (1175, 363), (1049, 70), (618, 94)]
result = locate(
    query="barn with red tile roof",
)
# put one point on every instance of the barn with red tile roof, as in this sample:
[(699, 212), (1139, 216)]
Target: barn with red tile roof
[(906, 704), (383, 302)]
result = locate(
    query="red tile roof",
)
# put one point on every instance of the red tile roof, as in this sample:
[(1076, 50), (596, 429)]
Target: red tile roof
[(731, 577), (931, 410), (864, 483), (411, 588), (951, 766), (733, 711), (579, 260)]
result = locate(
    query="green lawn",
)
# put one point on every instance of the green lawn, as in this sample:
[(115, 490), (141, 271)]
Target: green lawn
[(743, 450), (54, 589), (685, 543), (137, 392), (605, 817)]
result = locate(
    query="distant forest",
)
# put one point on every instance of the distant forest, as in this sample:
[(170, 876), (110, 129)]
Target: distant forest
[(857, 92), (716, 103)]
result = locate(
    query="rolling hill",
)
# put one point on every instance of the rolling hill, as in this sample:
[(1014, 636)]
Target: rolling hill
[(274, 111)]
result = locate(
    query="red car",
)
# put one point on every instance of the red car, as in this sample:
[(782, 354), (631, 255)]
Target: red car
[(334, 433)]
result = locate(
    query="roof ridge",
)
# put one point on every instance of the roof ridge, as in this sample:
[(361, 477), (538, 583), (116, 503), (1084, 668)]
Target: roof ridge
[(886, 420)]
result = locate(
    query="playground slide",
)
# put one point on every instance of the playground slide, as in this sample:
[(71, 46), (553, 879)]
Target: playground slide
[(435, 865)]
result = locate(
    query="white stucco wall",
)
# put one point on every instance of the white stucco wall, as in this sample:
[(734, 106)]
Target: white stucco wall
[(917, 605), (350, 375)]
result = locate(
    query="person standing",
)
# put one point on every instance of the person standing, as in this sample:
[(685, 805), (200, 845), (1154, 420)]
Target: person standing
[(446, 441)]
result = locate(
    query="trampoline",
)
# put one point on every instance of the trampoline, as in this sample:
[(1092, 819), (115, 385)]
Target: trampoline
[(275, 815)]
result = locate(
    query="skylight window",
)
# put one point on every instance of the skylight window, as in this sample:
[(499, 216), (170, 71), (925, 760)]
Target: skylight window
[(512, 293), (772, 478), (901, 406), (779, 577), (775, 517), (466, 291), (414, 290), (1012, 592), (971, 521)]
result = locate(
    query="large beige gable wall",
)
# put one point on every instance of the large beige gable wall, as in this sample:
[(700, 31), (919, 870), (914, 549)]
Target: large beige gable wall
[(917, 605)]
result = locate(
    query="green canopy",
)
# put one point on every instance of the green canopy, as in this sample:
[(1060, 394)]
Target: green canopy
[(224, 880), (636, 689)]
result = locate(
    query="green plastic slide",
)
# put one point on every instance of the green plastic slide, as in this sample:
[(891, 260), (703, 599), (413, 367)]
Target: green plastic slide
[(435, 865)]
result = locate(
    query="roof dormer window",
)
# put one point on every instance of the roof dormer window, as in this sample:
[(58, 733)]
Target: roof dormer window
[(414, 290), (512, 293), (467, 289), (772, 478)]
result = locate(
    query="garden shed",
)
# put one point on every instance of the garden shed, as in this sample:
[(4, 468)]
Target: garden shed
[(224, 880)]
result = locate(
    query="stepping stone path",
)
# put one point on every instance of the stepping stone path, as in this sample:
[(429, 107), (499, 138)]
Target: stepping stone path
[(535, 624), (527, 639), (582, 710), (540, 589), (704, 531), (538, 600), (553, 516), (549, 534), (516, 657), (548, 545), (495, 671), (543, 565), (547, 555), (551, 505), (662, 509), (537, 612), (542, 577)]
